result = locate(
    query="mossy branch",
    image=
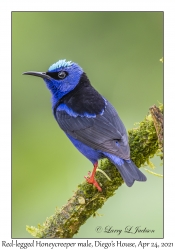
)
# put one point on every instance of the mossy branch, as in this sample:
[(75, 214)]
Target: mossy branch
[(144, 141)]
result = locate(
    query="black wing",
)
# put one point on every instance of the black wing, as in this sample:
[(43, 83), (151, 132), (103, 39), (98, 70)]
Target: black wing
[(105, 132)]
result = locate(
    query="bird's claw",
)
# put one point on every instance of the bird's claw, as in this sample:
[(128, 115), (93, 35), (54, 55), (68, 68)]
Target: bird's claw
[(92, 180)]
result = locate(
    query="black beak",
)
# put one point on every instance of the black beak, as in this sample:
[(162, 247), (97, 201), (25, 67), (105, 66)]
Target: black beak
[(39, 74)]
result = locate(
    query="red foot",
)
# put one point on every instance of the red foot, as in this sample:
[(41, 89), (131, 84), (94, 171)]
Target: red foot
[(91, 178)]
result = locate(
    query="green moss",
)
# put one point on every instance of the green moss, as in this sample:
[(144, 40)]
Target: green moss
[(143, 141)]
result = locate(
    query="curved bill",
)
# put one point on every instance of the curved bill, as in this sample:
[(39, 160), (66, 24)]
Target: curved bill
[(38, 74)]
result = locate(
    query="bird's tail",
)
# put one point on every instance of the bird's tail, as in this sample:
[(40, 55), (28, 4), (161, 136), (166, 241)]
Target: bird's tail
[(128, 170)]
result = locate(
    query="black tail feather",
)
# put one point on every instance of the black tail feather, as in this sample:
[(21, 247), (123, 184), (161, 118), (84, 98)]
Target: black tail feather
[(130, 172)]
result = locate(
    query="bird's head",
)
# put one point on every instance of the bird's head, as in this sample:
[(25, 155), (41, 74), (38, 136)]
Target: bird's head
[(61, 78)]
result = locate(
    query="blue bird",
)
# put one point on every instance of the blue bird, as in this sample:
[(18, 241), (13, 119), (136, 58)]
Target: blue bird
[(89, 120)]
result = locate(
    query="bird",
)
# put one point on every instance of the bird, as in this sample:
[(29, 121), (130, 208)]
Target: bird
[(89, 120)]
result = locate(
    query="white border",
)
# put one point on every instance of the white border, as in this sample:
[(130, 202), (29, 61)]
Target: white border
[(5, 95)]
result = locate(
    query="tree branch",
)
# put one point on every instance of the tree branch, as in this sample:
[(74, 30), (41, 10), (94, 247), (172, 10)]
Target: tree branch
[(65, 222)]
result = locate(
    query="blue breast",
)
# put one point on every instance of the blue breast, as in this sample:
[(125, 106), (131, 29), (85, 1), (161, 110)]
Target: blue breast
[(90, 153)]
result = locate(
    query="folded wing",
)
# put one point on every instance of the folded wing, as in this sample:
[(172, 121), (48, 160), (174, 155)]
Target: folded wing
[(104, 132)]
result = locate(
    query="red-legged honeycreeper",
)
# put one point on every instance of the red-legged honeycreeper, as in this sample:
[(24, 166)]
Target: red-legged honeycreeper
[(89, 120)]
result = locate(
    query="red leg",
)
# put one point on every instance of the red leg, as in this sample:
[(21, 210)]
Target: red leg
[(91, 178)]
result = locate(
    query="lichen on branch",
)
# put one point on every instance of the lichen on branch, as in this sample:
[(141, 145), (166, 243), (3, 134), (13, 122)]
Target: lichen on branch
[(86, 200)]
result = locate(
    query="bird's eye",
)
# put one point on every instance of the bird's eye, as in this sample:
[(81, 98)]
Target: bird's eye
[(57, 75), (62, 74)]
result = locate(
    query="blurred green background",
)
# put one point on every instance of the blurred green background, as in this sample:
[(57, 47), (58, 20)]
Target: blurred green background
[(120, 53)]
